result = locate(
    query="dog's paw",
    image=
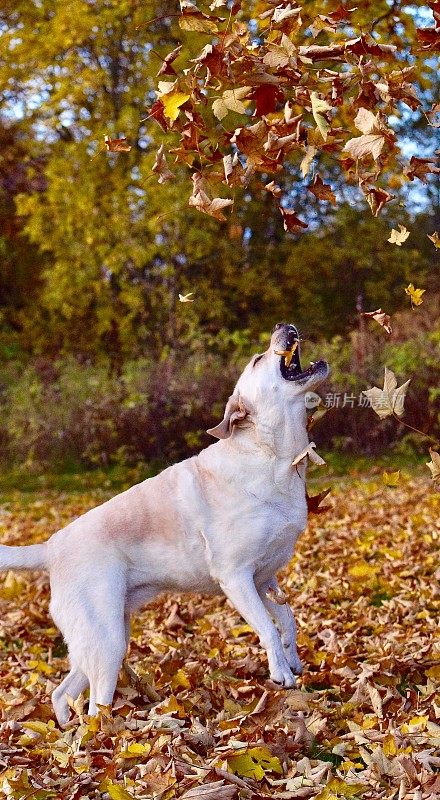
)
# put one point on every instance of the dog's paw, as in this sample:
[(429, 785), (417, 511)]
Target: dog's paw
[(293, 658), (282, 675)]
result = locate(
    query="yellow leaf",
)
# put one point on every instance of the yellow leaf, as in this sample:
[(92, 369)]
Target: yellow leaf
[(389, 745), (13, 585), (362, 570), (391, 478), (172, 706), (338, 788), (115, 791), (41, 666), (415, 294), (135, 749), (254, 763), (180, 678), (172, 102), (433, 672), (37, 726), (239, 629)]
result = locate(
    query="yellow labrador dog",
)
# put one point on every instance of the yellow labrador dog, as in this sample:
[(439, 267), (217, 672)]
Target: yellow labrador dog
[(223, 521)]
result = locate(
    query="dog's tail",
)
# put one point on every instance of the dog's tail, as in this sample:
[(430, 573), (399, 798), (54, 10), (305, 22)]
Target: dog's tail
[(32, 556)]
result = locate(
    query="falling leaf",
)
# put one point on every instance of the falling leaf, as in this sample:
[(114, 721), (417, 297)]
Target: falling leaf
[(381, 317), (117, 145), (288, 354), (307, 160), (172, 103), (314, 502), (376, 198), (160, 166), (322, 191), (398, 237), (415, 295), (186, 298), (309, 452), (391, 479), (291, 221), (166, 68), (231, 100), (389, 400), (319, 109), (434, 464), (370, 144), (435, 239), (201, 200)]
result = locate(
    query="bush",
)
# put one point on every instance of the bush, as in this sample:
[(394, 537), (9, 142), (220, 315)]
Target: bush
[(66, 413)]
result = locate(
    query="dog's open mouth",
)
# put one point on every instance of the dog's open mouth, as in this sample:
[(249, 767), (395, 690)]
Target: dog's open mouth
[(290, 363)]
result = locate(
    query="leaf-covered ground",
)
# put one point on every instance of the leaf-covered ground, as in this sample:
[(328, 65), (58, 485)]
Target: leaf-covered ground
[(363, 722)]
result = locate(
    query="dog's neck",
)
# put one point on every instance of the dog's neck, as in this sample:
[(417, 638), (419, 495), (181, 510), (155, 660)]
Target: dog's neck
[(269, 449)]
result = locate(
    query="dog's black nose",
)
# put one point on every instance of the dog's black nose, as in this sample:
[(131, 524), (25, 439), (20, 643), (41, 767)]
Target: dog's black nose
[(283, 325)]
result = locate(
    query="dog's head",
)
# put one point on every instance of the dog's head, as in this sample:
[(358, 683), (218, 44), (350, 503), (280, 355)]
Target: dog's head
[(272, 386)]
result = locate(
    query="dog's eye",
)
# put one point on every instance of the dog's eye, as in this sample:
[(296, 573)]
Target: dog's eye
[(256, 359)]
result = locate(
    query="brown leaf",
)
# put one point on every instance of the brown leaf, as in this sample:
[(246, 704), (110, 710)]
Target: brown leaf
[(217, 790), (376, 198), (421, 168), (166, 68), (313, 503), (291, 221), (322, 191), (201, 200), (160, 166), (117, 145), (381, 317)]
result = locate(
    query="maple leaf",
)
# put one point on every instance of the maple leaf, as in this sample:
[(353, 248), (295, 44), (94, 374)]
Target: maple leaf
[(319, 109), (381, 317), (166, 68), (415, 295), (186, 298), (201, 200), (308, 159), (172, 101), (314, 502), (435, 239), (391, 479), (434, 464), (398, 237), (421, 168), (309, 452), (376, 198), (193, 19), (322, 191), (371, 144), (254, 763), (231, 100), (291, 221), (117, 145), (160, 166), (390, 400)]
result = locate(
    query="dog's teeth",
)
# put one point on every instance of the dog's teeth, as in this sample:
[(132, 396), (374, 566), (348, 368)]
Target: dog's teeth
[(312, 363)]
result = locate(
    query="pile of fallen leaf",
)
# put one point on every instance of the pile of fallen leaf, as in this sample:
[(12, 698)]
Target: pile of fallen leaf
[(194, 714)]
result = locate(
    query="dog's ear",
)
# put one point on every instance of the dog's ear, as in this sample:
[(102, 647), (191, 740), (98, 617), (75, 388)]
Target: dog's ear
[(235, 412)]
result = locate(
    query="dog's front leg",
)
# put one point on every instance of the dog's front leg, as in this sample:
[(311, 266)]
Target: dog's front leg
[(240, 588), (285, 622)]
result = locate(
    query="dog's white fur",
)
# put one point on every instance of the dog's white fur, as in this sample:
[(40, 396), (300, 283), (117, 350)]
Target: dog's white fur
[(225, 520)]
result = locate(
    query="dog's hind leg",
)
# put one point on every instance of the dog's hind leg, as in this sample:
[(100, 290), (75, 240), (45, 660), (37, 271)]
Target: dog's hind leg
[(90, 614), (73, 684)]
